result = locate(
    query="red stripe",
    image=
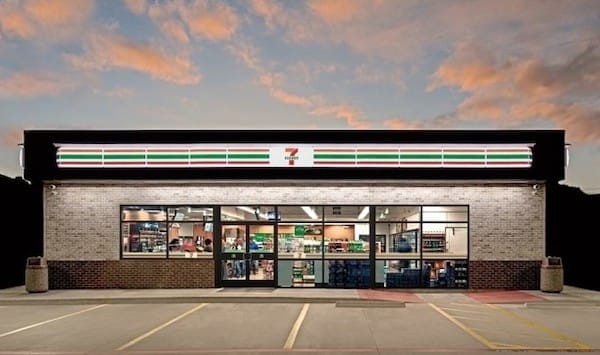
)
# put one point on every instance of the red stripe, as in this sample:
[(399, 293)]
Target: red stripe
[(464, 150), (71, 162), (335, 162), (84, 150), (209, 150), (507, 163), (167, 163), (446, 162), (248, 150), (208, 162), (166, 150), (436, 150), (378, 162), (421, 163), (114, 150), (248, 162), (124, 163)]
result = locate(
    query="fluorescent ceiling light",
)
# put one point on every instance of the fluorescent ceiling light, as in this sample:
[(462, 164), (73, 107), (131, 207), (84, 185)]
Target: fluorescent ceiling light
[(363, 213), (253, 211), (310, 212)]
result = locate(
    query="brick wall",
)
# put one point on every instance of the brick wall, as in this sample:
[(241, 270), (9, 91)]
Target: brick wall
[(496, 274), (506, 220), (154, 273)]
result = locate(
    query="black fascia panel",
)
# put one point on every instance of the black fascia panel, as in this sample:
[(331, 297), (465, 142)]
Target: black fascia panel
[(548, 154)]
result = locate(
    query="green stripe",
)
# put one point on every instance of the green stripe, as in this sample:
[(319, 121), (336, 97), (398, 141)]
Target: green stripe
[(421, 156), (125, 156), (509, 156), (464, 156), (209, 156), (248, 156), (167, 156), (334, 156), (377, 156), (78, 156)]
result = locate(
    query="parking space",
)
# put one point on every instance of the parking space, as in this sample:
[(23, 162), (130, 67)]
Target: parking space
[(453, 324)]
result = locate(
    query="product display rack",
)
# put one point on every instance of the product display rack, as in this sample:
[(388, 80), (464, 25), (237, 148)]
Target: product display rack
[(434, 242)]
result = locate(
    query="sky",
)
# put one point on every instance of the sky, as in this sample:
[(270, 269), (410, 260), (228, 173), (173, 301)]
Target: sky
[(315, 64)]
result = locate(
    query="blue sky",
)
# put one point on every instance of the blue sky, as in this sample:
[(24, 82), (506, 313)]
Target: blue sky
[(316, 64)]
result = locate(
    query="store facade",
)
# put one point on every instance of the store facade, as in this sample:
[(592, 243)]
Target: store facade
[(351, 209)]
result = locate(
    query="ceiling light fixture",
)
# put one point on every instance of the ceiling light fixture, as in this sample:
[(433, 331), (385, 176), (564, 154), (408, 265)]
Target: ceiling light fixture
[(363, 213), (310, 212)]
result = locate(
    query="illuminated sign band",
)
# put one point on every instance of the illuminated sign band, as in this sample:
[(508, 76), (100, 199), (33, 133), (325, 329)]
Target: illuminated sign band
[(294, 155)]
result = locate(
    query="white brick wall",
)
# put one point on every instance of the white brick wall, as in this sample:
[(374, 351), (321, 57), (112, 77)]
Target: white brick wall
[(82, 220)]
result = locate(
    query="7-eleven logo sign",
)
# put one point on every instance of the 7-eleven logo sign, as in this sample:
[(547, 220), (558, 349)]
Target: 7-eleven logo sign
[(291, 155)]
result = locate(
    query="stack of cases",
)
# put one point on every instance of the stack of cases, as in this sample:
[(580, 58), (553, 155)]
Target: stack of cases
[(349, 273)]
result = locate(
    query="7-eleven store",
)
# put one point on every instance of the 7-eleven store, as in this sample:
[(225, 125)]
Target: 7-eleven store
[(351, 209)]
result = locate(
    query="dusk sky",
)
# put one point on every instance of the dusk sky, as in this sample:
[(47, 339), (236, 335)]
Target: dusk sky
[(316, 64)]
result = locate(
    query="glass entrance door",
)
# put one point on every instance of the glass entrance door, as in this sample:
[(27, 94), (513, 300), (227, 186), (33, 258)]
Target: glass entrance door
[(248, 255)]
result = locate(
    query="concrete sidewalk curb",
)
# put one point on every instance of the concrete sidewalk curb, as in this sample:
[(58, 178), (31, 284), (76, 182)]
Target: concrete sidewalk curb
[(199, 299), (562, 304)]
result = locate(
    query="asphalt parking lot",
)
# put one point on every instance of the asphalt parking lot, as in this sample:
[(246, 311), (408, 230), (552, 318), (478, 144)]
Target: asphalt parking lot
[(443, 323)]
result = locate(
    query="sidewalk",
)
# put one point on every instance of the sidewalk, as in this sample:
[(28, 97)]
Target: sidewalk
[(570, 296)]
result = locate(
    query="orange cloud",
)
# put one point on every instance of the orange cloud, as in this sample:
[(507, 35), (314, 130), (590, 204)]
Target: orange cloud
[(138, 7), (14, 23), (290, 99), (26, 85), (401, 123), (13, 137), (353, 118), (334, 10), (105, 52), (175, 30), (565, 94), (55, 19), (213, 21), (269, 10)]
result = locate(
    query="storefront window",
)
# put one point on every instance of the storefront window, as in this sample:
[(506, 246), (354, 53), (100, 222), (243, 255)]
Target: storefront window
[(300, 213), (419, 246), (233, 239), (344, 240), (346, 213), (162, 231)]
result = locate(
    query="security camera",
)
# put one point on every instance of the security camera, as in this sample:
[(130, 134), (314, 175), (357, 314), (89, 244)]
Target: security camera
[(52, 187), (535, 187)]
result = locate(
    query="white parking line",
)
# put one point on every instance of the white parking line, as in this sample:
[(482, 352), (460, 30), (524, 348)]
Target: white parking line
[(50, 320), (289, 343), (164, 325)]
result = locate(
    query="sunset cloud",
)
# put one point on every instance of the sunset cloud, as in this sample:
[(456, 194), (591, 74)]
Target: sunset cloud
[(54, 19), (336, 10), (290, 99), (12, 137), (210, 20), (138, 7), (269, 10), (107, 52), (350, 115), (401, 123), (513, 92), (31, 84)]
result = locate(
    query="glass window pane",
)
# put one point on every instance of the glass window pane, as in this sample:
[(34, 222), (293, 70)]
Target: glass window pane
[(346, 240), (401, 273), (261, 239), (445, 213), (347, 213), (445, 240), (398, 213), (300, 213), (233, 239), (444, 273), (299, 273), (300, 240), (144, 239), (347, 273), (143, 213), (397, 240), (189, 213), (190, 240), (248, 213)]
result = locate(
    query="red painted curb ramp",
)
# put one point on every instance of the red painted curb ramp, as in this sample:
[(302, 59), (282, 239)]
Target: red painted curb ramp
[(503, 297)]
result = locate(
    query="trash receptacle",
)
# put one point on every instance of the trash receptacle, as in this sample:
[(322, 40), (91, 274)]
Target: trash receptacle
[(551, 277), (36, 274)]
